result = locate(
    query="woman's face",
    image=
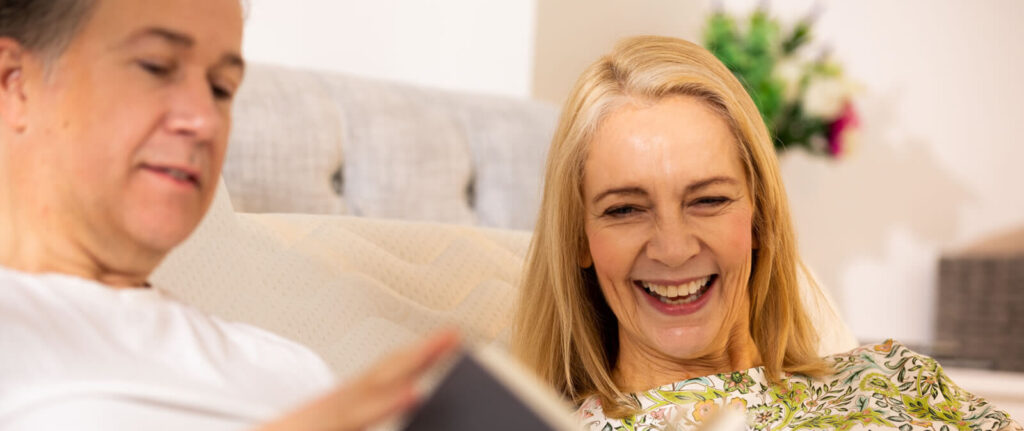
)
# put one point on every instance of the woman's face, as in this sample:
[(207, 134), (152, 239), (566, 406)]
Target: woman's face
[(668, 220)]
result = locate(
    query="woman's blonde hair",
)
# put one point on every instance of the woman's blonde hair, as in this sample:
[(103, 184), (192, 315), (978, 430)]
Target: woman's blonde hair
[(564, 329)]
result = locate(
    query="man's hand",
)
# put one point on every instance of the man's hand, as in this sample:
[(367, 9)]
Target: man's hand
[(387, 389)]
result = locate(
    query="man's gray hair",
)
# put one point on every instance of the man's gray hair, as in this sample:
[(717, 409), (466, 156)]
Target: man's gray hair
[(43, 26)]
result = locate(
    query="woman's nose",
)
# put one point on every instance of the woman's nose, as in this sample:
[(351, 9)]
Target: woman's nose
[(672, 243)]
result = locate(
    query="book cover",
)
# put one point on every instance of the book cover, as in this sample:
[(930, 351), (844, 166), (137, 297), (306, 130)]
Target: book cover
[(484, 390)]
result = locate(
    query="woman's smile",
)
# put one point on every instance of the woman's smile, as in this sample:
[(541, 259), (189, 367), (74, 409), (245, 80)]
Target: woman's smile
[(677, 297)]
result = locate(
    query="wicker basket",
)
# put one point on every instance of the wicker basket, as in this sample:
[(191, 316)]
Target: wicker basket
[(980, 312)]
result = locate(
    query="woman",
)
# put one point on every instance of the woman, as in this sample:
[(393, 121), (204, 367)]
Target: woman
[(661, 283)]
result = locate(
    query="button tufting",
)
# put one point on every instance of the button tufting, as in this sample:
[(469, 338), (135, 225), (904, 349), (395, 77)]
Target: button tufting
[(471, 192), (338, 181)]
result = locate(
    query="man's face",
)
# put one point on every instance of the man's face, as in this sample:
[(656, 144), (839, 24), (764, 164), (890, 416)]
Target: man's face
[(131, 123)]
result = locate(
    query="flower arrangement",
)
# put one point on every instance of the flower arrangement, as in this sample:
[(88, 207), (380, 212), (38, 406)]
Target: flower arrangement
[(805, 102)]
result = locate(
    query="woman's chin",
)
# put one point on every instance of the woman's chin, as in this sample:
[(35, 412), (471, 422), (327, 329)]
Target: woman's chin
[(683, 343), (686, 335)]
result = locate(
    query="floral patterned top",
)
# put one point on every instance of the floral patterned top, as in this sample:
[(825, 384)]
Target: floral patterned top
[(885, 386)]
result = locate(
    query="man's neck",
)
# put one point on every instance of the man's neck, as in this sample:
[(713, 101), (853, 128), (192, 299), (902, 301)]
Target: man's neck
[(38, 256), (36, 240), (36, 260)]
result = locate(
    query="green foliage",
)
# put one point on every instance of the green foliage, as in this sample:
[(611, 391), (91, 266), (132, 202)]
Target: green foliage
[(752, 53)]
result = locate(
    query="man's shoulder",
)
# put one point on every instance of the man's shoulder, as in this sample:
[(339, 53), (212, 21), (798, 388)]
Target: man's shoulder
[(61, 301), (64, 331), (23, 298)]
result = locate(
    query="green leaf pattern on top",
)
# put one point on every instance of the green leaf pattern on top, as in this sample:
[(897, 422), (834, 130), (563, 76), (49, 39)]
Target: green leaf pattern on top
[(885, 386)]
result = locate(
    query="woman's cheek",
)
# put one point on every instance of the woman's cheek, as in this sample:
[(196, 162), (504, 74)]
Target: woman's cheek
[(739, 231), (602, 250), (612, 249)]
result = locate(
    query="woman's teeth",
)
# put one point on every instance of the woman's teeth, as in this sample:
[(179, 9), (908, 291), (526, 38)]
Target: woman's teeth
[(679, 294)]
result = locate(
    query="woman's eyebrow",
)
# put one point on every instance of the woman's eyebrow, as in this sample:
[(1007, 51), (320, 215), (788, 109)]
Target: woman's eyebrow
[(690, 188), (707, 182), (628, 190)]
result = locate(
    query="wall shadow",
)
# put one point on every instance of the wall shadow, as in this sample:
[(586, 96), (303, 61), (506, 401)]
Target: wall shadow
[(846, 209)]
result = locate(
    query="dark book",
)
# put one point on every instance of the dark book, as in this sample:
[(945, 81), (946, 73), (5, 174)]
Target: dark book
[(484, 390)]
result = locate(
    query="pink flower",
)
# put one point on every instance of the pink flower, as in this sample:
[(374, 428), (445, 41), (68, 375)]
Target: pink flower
[(839, 130)]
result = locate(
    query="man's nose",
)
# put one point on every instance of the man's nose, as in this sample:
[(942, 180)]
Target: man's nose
[(194, 111), (673, 242)]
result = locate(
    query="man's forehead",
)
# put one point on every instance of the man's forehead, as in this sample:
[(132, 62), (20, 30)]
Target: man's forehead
[(169, 35), (187, 23), (182, 40)]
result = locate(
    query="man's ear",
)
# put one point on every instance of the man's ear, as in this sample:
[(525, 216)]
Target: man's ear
[(12, 84)]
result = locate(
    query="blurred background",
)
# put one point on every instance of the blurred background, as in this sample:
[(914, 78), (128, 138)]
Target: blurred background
[(934, 173)]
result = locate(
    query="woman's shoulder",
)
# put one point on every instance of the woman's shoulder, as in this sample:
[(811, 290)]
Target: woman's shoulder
[(886, 347), (899, 364), (904, 386), (892, 370), (887, 354)]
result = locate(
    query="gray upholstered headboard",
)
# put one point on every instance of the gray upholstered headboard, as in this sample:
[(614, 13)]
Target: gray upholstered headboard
[(315, 142)]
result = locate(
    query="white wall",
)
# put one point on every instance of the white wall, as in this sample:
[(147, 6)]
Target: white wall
[(572, 34), (469, 45), (941, 161)]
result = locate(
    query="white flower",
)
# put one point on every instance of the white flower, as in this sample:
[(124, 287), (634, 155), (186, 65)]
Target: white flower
[(789, 71), (825, 97), (675, 418)]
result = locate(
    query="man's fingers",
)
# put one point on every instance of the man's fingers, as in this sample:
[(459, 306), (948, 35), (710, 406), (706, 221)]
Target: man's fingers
[(432, 349), (370, 410), (349, 408), (388, 388)]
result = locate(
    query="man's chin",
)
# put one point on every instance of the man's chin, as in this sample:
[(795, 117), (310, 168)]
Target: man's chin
[(159, 235)]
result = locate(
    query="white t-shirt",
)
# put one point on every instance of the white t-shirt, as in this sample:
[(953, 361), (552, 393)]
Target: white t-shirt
[(75, 354)]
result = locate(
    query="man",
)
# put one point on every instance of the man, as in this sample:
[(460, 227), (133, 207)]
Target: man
[(114, 119)]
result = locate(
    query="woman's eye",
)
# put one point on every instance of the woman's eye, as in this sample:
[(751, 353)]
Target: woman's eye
[(712, 201), (621, 211)]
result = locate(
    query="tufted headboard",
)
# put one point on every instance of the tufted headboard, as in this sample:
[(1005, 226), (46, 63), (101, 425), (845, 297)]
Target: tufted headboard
[(323, 143)]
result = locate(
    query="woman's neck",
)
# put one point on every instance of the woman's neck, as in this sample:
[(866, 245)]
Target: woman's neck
[(639, 368)]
